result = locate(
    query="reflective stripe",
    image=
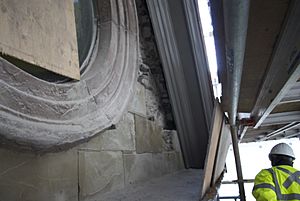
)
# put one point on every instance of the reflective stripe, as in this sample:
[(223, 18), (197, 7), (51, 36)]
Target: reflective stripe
[(263, 185), (284, 170), (292, 196), (293, 177), (277, 188)]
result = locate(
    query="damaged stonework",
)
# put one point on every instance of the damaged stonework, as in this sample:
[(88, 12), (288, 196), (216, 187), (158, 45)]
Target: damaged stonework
[(43, 116), (151, 74)]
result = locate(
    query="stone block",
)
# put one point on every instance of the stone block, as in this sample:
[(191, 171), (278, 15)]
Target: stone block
[(138, 167), (120, 138), (148, 136), (138, 103), (100, 172), (51, 177)]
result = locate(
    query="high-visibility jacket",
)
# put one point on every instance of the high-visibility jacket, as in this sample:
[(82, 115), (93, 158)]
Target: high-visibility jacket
[(277, 183)]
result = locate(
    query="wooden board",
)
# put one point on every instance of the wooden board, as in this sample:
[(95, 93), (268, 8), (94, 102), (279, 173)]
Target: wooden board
[(41, 32), (224, 143), (212, 148)]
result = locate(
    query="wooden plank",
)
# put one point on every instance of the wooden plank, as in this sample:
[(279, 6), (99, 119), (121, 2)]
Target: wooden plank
[(212, 148), (224, 143), (42, 33)]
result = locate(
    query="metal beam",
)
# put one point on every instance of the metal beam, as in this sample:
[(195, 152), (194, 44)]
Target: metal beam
[(280, 130), (238, 164), (236, 15), (262, 116), (282, 118), (245, 128), (296, 134), (236, 181), (293, 95), (284, 70)]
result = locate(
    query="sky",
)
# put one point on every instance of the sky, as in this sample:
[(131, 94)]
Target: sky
[(207, 30)]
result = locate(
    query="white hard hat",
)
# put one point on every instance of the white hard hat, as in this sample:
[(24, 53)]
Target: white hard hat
[(282, 149)]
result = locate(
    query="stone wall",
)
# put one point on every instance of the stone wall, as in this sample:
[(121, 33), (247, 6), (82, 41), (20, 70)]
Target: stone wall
[(141, 146), (47, 116), (134, 150)]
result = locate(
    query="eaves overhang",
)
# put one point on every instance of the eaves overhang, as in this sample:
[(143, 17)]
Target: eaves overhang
[(180, 43)]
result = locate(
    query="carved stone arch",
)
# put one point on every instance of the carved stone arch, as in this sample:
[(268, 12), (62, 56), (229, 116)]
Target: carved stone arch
[(43, 116)]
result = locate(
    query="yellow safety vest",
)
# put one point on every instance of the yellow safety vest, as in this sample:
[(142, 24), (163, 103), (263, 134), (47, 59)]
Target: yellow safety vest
[(277, 183)]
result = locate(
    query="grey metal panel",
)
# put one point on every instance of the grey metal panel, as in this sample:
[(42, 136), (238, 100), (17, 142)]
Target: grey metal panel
[(175, 22)]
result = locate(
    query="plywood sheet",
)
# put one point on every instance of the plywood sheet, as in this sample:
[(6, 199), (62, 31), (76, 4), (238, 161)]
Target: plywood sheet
[(224, 143), (212, 148), (41, 32)]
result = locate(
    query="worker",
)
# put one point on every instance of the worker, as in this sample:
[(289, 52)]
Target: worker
[(281, 182)]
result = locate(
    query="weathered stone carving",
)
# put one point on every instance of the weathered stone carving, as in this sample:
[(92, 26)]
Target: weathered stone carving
[(43, 116)]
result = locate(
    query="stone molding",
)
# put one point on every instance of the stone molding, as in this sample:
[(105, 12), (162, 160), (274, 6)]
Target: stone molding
[(42, 116)]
